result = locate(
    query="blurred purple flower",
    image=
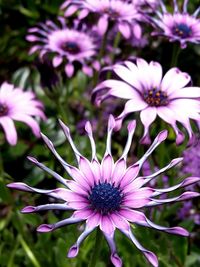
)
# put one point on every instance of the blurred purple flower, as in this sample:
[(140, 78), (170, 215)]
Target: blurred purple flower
[(148, 92), (188, 212), (20, 106), (107, 194), (179, 26), (69, 45), (122, 13), (191, 160), (147, 5)]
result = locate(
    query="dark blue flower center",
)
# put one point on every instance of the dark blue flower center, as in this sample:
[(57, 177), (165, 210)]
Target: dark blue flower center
[(3, 110), (155, 98), (105, 198), (182, 30), (70, 47)]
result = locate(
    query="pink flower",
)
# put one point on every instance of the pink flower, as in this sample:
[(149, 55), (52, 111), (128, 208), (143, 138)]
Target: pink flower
[(147, 91), (67, 45), (179, 26), (122, 13), (107, 194), (20, 106)]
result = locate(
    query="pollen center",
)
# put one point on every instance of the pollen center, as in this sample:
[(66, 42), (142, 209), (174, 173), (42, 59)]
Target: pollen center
[(105, 198), (155, 98), (3, 110), (70, 47), (182, 30)]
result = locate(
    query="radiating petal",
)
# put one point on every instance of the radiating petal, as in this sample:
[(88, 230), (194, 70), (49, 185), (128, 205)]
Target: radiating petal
[(73, 251), (115, 259), (106, 225), (44, 228)]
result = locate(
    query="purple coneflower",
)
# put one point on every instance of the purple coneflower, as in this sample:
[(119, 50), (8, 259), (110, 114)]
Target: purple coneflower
[(68, 45), (107, 194), (148, 92), (179, 26), (20, 106), (122, 12)]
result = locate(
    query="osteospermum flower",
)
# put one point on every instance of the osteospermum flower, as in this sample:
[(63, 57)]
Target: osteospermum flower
[(68, 45), (179, 26), (147, 91), (106, 194), (122, 13), (18, 105)]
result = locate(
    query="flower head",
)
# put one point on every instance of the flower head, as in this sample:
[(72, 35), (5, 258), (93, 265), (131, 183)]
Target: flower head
[(179, 26), (68, 45), (122, 13), (107, 194), (20, 106), (147, 91)]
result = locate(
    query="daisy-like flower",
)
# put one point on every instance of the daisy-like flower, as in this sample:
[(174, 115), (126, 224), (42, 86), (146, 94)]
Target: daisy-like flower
[(179, 26), (15, 104), (106, 194), (68, 45), (122, 13), (147, 91)]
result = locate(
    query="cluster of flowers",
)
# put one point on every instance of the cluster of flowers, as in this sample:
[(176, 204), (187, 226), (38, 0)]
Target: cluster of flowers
[(109, 194)]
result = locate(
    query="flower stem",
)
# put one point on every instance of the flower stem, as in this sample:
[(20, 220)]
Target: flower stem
[(97, 248), (175, 54), (100, 56), (1, 166), (115, 45)]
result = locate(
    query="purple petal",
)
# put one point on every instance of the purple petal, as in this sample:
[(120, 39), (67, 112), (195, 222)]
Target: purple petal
[(57, 60), (125, 30), (25, 187), (102, 25), (55, 206), (51, 227), (118, 171), (119, 222), (147, 117), (106, 168), (9, 129), (151, 257), (69, 70), (73, 251), (70, 10), (44, 228), (49, 171), (86, 168), (129, 175), (115, 259), (106, 225)]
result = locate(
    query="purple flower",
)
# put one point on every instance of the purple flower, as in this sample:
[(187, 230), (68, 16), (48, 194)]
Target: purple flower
[(179, 26), (122, 13), (68, 45), (20, 106), (191, 160), (188, 212), (107, 194), (148, 92)]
